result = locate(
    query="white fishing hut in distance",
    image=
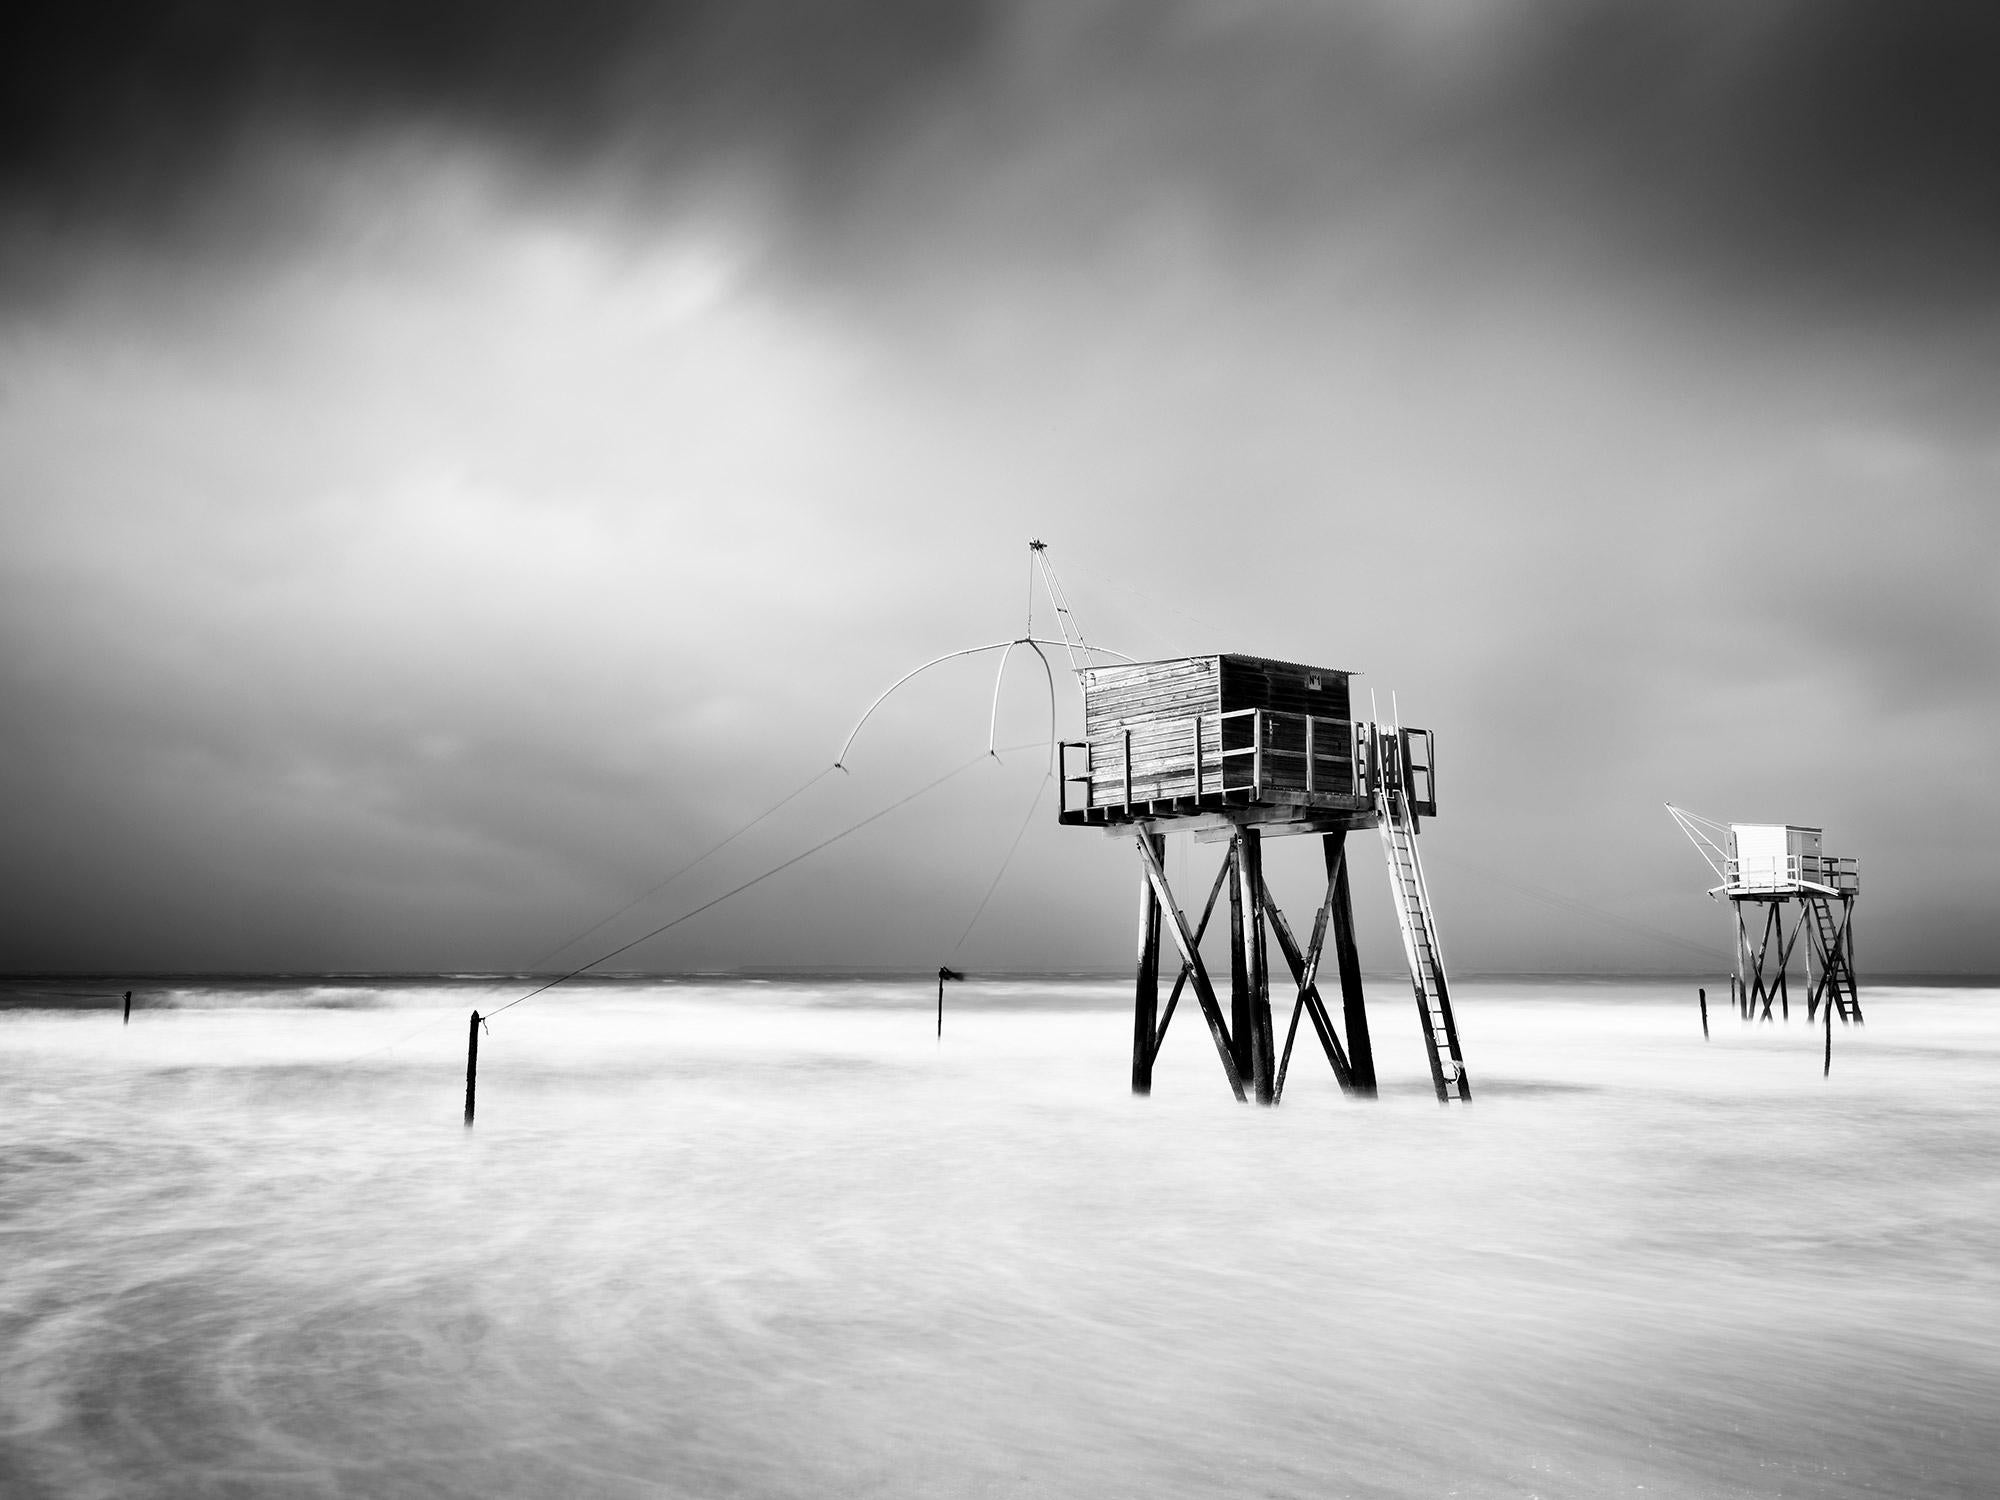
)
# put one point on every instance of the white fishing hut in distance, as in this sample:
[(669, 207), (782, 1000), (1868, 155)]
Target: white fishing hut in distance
[(1763, 868), (1238, 748)]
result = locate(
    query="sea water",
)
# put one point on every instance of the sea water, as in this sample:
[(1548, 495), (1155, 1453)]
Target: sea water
[(779, 1239)]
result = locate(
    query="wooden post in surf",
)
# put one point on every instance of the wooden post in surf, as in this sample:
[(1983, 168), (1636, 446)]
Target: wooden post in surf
[(471, 1067), (944, 974), (1704, 1013), (128, 1007)]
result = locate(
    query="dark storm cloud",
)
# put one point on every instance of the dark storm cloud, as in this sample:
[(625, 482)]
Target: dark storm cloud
[(1806, 131), (1835, 138), (126, 112)]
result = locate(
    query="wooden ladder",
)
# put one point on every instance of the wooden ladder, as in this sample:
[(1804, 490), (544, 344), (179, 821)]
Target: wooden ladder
[(1413, 914), (1836, 976)]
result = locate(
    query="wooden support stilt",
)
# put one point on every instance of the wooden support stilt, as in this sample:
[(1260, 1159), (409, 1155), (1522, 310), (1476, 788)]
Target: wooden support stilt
[(1818, 973), (1190, 949), (1742, 956), (1146, 993), (471, 1067), (1241, 1027), (1785, 946), (1775, 931), (1703, 994), (1263, 1063), (1754, 980), (128, 1007), (1354, 1010), (1785, 959)]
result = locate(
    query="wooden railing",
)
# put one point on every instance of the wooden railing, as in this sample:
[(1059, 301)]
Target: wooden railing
[(1782, 872), (1247, 750), (1251, 751)]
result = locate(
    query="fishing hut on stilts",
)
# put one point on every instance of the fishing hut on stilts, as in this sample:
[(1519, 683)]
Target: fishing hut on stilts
[(1239, 749), (1782, 885)]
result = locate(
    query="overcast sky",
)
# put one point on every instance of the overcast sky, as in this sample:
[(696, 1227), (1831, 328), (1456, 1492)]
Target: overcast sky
[(459, 461)]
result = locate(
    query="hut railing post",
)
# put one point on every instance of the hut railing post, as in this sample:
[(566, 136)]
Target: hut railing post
[(1197, 757), (1257, 754), (1128, 773), (1309, 752)]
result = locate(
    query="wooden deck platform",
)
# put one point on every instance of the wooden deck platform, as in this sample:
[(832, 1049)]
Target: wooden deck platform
[(1277, 811)]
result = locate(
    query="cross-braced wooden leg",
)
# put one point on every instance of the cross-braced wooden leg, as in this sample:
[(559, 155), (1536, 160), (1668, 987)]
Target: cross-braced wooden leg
[(1184, 940), (1305, 974), (1201, 928)]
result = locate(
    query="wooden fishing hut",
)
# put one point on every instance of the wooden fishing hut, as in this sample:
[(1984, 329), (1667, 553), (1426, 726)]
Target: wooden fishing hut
[(1241, 748), (1767, 867)]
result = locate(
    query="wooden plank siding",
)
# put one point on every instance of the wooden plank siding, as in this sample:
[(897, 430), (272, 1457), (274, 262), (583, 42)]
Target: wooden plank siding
[(1114, 697), (1157, 702)]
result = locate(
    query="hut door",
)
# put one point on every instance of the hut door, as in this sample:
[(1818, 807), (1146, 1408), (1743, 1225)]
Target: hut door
[(1417, 750)]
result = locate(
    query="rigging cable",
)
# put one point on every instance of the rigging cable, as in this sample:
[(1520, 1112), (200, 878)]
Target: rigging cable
[(1021, 833), (699, 858), (746, 885), (571, 942)]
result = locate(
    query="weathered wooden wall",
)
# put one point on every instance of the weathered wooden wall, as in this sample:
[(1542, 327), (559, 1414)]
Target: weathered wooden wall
[(1115, 697), (1157, 702)]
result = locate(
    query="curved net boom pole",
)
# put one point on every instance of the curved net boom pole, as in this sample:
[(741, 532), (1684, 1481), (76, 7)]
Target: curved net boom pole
[(993, 720), (840, 760), (1036, 642), (1050, 673)]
